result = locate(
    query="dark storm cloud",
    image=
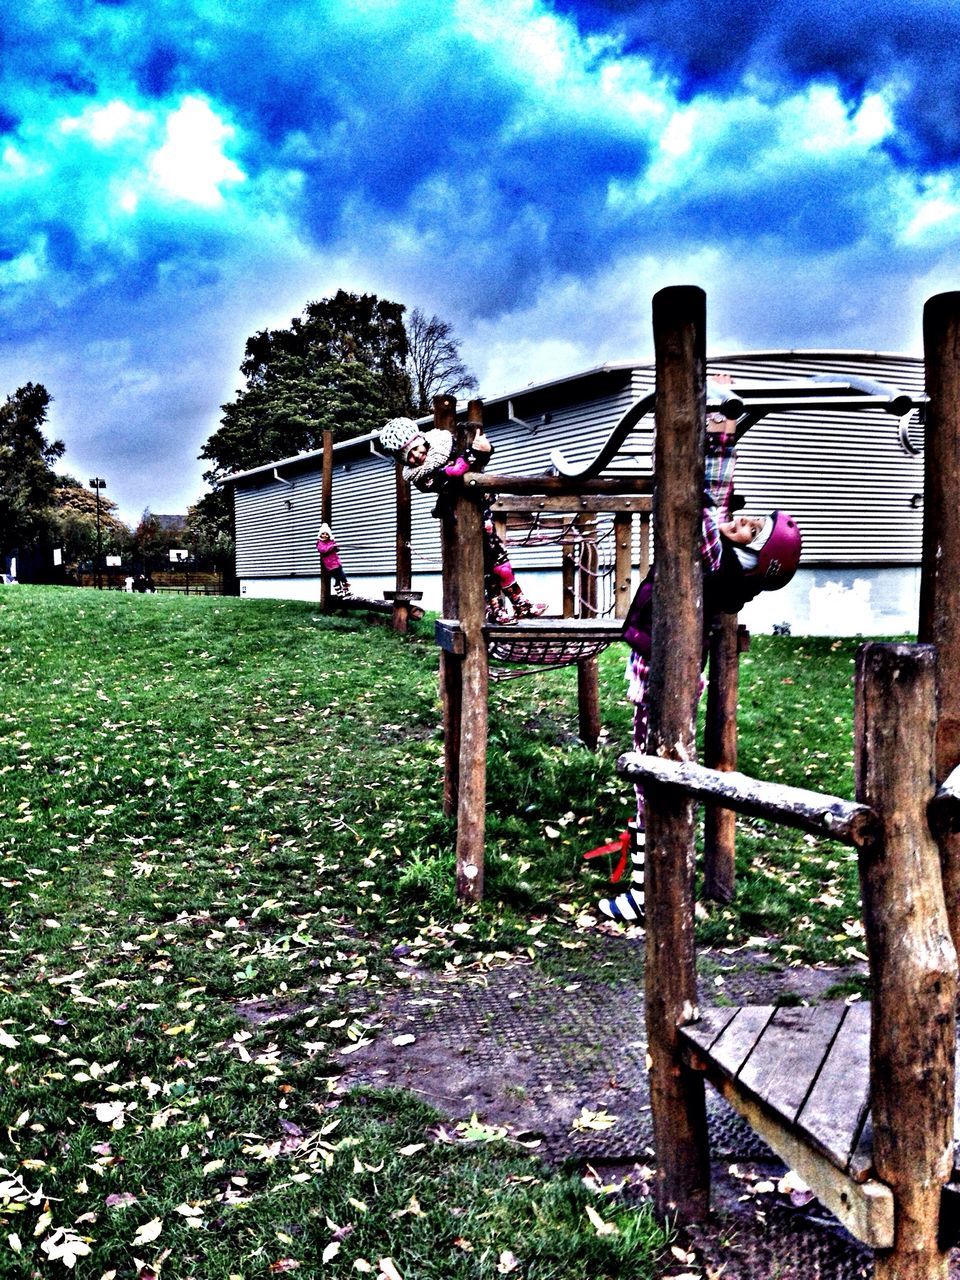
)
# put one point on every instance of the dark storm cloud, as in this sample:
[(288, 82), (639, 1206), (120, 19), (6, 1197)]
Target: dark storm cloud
[(175, 174), (857, 46)]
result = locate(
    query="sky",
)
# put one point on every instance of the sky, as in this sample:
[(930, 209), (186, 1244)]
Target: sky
[(176, 175)]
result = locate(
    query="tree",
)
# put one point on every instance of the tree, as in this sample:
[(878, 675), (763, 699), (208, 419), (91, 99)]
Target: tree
[(156, 536), (434, 363), (73, 525), (340, 366), (27, 479), (207, 523)]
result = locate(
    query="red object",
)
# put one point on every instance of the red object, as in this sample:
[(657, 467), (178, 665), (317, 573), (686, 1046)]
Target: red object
[(622, 846)]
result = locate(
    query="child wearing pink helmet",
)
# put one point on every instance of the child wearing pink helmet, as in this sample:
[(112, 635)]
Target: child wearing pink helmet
[(741, 556), (433, 465)]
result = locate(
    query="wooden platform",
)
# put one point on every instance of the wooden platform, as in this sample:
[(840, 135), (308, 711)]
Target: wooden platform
[(801, 1078)]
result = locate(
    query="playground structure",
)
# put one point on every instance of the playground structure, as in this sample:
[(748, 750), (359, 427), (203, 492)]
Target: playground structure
[(576, 502), (400, 603), (860, 1101)]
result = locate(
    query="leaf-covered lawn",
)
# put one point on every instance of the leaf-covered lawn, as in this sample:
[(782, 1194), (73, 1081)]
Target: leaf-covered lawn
[(220, 825)]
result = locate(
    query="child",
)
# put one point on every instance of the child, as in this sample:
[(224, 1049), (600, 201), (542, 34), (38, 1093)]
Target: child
[(330, 559), (433, 466), (741, 556)]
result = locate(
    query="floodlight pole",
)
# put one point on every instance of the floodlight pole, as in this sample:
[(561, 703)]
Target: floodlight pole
[(97, 484)]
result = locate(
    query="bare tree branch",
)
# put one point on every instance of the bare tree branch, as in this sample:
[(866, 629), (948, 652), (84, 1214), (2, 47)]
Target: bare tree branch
[(434, 363)]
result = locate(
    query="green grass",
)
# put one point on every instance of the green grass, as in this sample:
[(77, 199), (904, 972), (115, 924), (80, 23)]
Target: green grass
[(210, 802)]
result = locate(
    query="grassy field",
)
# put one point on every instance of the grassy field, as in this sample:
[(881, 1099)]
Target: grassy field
[(206, 802)]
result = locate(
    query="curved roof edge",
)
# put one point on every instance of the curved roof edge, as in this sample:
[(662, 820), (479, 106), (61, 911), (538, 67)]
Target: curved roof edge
[(623, 367)]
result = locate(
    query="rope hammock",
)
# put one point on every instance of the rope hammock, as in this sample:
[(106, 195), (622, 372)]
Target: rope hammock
[(525, 657), (587, 545)]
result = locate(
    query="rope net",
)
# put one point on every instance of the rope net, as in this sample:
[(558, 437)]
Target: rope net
[(585, 552)]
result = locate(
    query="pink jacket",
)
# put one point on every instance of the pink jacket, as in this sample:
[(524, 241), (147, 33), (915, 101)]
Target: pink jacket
[(327, 550)]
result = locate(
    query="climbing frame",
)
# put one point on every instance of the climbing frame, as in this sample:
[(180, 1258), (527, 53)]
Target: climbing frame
[(870, 1125)]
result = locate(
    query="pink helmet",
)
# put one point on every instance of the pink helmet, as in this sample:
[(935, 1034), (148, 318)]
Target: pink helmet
[(777, 547)]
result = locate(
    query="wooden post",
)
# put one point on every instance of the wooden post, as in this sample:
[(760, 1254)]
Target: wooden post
[(720, 752), (912, 958), (471, 808), (404, 576), (588, 680), (676, 1092), (326, 509), (623, 562), (940, 566), (451, 664), (568, 574)]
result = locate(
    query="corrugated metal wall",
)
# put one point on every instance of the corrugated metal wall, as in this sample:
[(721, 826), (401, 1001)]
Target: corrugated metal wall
[(844, 476), (856, 494)]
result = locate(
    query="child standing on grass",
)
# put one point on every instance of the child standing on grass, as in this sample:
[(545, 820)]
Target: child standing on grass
[(330, 559), (741, 556), (432, 465)]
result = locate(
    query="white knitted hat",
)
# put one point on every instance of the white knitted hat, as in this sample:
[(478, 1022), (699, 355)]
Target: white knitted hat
[(439, 448), (397, 434)]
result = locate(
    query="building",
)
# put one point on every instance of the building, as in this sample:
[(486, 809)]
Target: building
[(853, 479)]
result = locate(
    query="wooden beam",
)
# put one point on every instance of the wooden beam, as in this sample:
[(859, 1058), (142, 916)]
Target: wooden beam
[(622, 563), (588, 680), (676, 1092), (822, 815), (573, 503), (550, 484), (403, 549), (912, 959), (471, 808), (866, 1209), (451, 665), (326, 509)]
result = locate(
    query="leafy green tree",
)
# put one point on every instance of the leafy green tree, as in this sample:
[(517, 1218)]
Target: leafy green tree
[(73, 525), (434, 363), (27, 479), (154, 539), (209, 522), (341, 366)]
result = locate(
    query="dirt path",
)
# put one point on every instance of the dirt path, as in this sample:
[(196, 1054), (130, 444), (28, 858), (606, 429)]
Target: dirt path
[(560, 1062)]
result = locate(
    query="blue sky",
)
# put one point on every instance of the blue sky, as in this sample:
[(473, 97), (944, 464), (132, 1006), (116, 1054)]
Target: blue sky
[(177, 174)]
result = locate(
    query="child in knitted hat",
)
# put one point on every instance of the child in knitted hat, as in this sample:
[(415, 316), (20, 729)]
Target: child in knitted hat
[(330, 559), (432, 465)]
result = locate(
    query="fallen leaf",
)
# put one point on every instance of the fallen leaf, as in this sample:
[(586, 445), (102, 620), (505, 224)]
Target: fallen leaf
[(588, 1119), (602, 1228), (388, 1269), (65, 1246), (148, 1231)]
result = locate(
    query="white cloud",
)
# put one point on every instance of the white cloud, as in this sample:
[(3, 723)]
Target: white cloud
[(191, 164), (106, 124)]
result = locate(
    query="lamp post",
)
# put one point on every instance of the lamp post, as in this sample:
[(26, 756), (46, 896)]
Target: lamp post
[(96, 484)]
